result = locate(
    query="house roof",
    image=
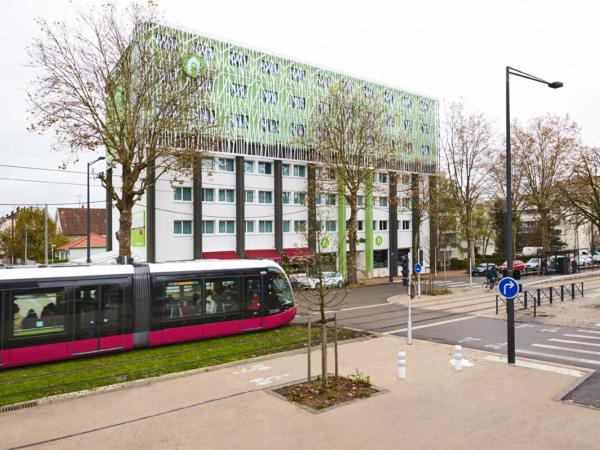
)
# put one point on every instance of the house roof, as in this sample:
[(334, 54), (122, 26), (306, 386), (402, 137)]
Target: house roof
[(96, 241), (73, 221)]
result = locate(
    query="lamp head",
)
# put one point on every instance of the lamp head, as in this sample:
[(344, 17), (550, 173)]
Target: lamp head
[(555, 84)]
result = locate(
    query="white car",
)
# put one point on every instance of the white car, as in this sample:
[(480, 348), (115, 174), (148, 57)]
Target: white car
[(330, 279), (532, 265)]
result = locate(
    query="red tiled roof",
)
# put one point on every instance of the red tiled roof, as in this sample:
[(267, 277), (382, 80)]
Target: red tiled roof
[(267, 253), (73, 221), (96, 241), (220, 255)]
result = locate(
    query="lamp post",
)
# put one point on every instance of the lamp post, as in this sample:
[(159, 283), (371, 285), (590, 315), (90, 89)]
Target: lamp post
[(89, 259), (508, 231)]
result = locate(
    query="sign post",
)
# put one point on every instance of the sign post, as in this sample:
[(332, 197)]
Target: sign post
[(508, 288), (409, 324), (418, 270)]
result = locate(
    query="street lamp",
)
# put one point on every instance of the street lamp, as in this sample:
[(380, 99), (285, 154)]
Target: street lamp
[(89, 259), (508, 232)]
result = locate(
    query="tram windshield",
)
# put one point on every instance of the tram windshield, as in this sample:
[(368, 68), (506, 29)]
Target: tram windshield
[(279, 292)]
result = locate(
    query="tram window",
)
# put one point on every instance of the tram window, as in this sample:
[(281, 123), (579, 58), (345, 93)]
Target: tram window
[(279, 293), (252, 296), (38, 312), (112, 305), (221, 296), (183, 299), (86, 304)]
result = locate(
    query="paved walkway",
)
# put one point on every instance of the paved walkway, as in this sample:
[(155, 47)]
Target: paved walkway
[(490, 405)]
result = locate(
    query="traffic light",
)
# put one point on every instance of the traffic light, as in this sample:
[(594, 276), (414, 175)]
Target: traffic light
[(405, 274)]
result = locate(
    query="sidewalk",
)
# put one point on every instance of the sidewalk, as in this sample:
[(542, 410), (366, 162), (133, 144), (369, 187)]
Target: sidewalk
[(490, 405)]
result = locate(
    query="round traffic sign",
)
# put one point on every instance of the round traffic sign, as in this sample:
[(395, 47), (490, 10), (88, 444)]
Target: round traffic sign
[(418, 268), (508, 288)]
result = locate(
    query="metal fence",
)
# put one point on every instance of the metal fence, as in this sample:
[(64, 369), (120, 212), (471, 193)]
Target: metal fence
[(548, 294)]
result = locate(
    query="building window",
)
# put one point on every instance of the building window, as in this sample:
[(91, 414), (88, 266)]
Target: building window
[(330, 199), (285, 198), (407, 125), (323, 81), (298, 102), (299, 226), (182, 227), (322, 107), (380, 259), (347, 87), (359, 225), (425, 128), (383, 225), (368, 91), (265, 226), (299, 198), (388, 121), (249, 196), (239, 121), (238, 90), (406, 102), (383, 202), (424, 106), (248, 166), (317, 199), (269, 97), (286, 226), (297, 129), (38, 312), (388, 97), (382, 178), (285, 170), (204, 50), (265, 197), (330, 225), (405, 225), (182, 194), (208, 227), (204, 115), (360, 201), (226, 164), (269, 67), (238, 60), (227, 195), (249, 226), (297, 74), (265, 168), (300, 171), (406, 202), (226, 226), (208, 164), (270, 125), (208, 195)]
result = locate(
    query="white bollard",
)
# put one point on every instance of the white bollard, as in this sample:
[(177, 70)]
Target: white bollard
[(458, 357), (402, 365)]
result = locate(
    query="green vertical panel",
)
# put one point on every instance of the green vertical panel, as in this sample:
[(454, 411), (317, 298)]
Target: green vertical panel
[(369, 226), (342, 263)]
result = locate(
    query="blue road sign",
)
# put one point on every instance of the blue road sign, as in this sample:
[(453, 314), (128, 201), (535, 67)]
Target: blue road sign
[(508, 288), (418, 268)]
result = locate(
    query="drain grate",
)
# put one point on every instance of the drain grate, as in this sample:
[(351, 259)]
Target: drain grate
[(17, 406), (586, 392)]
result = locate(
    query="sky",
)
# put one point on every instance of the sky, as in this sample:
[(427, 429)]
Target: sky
[(451, 50)]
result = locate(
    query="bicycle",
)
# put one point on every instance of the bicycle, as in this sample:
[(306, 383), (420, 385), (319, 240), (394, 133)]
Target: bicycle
[(488, 285)]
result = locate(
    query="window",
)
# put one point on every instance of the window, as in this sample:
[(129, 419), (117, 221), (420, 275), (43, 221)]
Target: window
[(249, 196), (407, 125), (248, 166), (297, 129), (252, 295), (298, 102), (182, 227), (182, 194), (279, 295), (383, 202), (269, 97), (249, 226), (226, 164), (286, 226), (208, 164), (238, 60), (208, 195), (330, 199), (183, 299), (204, 115), (406, 202), (424, 106), (330, 225), (317, 199), (285, 198), (360, 200), (38, 312), (299, 171), (323, 81), (347, 87), (388, 121), (221, 296), (299, 198), (227, 195), (204, 50), (425, 150), (265, 168), (226, 226), (383, 225), (265, 226), (297, 74), (359, 225), (208, 227), (322, 107), (382, 177), (239, 121), (425, 128), (406, 102), (238, 90), (299, 226), (368, 91), (285, 170), (270, 125), (269, 67), (405, 225), (388, 97), (265, 197), (380, 259)]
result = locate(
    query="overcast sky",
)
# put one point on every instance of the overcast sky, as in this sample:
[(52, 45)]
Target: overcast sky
[(450, 50)]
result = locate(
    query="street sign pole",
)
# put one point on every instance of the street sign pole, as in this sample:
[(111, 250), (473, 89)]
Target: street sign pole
[(419, 284), (409, 324)]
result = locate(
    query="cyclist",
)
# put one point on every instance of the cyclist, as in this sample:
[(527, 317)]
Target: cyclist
[(491, 276)]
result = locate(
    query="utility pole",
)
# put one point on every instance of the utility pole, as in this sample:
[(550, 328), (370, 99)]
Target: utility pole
[(12, 238), (25, 261), (46, 234)]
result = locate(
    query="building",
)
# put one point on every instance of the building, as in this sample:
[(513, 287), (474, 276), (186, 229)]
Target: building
[(72, 222), (76, 249), (250, 199)]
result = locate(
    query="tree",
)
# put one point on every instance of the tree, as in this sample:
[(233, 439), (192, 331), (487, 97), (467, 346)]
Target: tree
[(116, 82), (547, 146), (28, 236), (350, 137), (467, 146)]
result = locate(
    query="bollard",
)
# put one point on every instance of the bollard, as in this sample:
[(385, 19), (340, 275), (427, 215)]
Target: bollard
[(525, 299), (401, 365), (539, 300), (458, 357), (562, 292), (551, 294), (496, 305), (572, 291)]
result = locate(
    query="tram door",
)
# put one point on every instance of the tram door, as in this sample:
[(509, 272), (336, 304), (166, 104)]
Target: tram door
[(252, 303), (98, 318)]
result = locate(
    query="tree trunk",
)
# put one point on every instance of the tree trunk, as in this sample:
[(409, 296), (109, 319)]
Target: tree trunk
[(324, 354), (125, 216), (352, 271)]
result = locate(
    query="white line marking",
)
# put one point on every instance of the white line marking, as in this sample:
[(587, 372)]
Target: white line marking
[(588, 331), (497, 346), (565, 358), (268, 380), (354, 307), (581, 336), (566, 349), (469, 339), (532, 365), (254, 368), (550, 330), (525, 326), (432, 324), (566, 341)]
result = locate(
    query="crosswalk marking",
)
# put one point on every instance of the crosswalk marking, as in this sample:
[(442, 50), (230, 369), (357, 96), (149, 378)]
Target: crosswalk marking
[(567, 341), (443, 322), (581, 336), (588, 331), (559, 357), (566, 349)]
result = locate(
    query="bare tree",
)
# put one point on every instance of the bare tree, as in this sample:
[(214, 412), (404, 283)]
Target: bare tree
[(117, 82), (547, 146), (350, 136), (467, 144)]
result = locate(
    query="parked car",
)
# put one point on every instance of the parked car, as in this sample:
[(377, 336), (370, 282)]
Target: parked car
[(584, 259), (533, 265), (517, 265), (596, 257), (479, 271), (330, 279)]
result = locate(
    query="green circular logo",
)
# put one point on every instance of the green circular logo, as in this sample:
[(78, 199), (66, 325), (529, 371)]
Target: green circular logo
[(192, 65), (325, 242), (378, 240)]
